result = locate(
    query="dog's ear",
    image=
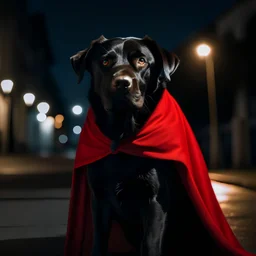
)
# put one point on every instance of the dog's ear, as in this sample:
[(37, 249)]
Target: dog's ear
[(170, 63), (79, 60), (169, 59)]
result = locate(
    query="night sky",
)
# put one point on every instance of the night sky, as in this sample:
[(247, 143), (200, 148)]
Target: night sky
[(73, 24)]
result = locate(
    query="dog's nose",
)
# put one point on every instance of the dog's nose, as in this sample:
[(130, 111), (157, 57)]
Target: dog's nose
[(122, 82)]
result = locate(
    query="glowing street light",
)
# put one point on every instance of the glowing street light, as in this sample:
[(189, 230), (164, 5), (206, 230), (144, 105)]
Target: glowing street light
[(203, 50), (63, 139), (59, 118), (29, 99), (48, 121), (7, 86), (41, 117), (77, 110), (57, 125), (77, 129), (43, 107)]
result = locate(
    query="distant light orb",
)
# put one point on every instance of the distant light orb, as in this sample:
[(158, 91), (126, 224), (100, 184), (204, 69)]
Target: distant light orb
[(203, 50), (77, 110), (41, 117), (7, 86), (50, 120), (43, 107), (63, 139), (77, 129), (57, 125), (29, 99), (59, 118)]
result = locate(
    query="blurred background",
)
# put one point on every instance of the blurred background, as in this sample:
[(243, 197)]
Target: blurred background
[(38, 37), (42, 108)]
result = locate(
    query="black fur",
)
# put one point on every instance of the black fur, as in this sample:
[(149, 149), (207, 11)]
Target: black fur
[(132, 190)]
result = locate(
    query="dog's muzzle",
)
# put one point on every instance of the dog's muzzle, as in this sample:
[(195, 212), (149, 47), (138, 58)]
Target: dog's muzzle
[(121, 82), (123, 79)]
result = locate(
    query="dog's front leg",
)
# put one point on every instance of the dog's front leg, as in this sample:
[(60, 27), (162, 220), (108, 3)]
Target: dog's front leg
[(153, 219), (102, 223)]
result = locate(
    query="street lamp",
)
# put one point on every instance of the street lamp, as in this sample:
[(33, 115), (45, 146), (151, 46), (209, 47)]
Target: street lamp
[(59, 118), (43, 107), (63, 139), (77, 110), (29, 99), (204, 50), (7, 86), (41, 117), (58, 121), (77, 129)]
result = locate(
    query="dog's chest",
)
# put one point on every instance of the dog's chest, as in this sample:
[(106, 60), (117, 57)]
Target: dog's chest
[(120, 174)]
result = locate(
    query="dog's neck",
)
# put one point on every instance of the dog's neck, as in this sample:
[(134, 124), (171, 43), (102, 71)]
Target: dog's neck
[(119, 125)]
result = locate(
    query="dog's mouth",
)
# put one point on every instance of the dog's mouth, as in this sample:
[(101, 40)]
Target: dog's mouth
[(137, 100), (125, 102)]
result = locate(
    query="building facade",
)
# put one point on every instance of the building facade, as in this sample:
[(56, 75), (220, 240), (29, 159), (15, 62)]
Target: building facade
[(26, 59), (232, 41)]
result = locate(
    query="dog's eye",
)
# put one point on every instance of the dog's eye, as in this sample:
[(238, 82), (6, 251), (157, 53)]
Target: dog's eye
[(106, 62), (141, 62)]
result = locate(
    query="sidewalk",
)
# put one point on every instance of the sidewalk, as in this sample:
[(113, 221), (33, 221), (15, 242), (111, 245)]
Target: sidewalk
[(242, 178), (33, 171), (34, 164)]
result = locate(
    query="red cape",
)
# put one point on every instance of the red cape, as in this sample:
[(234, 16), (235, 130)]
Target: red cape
[(166, 135)]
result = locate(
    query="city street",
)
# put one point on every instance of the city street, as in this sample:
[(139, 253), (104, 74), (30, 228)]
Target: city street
[(186, 97), (28, 215), (239, 207)]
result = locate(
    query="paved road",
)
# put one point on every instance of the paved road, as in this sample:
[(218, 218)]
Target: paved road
[(239, 207), (23, 210)]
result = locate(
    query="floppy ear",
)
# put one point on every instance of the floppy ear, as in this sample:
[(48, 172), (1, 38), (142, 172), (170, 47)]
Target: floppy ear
[(78, 61), (170, 60), (170, 63)]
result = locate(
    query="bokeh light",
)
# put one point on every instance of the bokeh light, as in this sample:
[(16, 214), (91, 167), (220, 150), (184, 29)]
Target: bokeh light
[(29, 99), (77, 110), (203, 50), (7, 86), (43, 107), (41, 117), (63, 139), (59, 118), (57, 125), (77, 129)]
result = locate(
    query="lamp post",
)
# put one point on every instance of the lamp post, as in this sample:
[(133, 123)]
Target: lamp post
[(29, 99), (204, 50), (7, 86)]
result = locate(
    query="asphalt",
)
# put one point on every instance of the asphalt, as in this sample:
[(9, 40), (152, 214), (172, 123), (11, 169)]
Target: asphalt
[(33, 171), (33, 247)]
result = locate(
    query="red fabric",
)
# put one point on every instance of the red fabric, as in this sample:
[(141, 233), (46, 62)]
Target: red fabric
[(166, 135)]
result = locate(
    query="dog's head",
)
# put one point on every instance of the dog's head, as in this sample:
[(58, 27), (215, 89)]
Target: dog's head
[(124, 70)]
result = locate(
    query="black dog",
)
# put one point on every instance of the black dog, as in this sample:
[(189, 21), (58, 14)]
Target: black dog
[(127, 80)]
